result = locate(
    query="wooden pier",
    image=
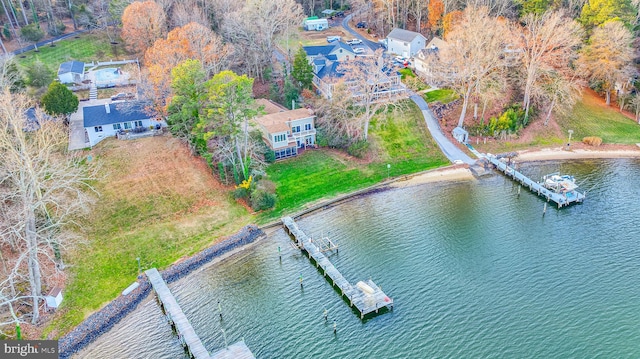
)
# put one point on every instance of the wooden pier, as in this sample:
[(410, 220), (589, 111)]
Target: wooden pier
[(561, 200), (365, 296), (186, 334)]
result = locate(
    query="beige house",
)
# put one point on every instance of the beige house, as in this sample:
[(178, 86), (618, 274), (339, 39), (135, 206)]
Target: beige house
[(420, 60), (286, 131)]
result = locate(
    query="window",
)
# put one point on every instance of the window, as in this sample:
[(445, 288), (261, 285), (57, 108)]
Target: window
[(127, 125), (307, 126), (405, 44), (279, 138), (295, 129), (98, 128), (138, 123), (117, 126)]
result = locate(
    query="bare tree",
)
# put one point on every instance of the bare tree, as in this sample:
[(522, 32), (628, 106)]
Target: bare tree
[(608, 57), (188, 11), (253, 30), (548, 44), (45, 188), (559, 91), (338, 117), (474, 53), (370, 86)]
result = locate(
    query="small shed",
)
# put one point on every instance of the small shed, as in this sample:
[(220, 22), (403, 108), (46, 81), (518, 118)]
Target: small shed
[(315, 24), (460, 134), (54, 298), (71, 72)]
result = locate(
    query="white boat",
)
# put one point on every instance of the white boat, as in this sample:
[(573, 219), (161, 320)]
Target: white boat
[(558, 183)]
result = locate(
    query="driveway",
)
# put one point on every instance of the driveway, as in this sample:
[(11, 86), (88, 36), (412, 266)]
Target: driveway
[(365, 42), (76, 125)]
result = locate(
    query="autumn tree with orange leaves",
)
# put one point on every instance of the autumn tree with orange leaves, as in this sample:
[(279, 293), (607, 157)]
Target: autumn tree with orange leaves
[(436, 9), (192, 41), (142, 24)]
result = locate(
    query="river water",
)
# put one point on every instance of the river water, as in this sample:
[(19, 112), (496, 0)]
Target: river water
[(475, 272)]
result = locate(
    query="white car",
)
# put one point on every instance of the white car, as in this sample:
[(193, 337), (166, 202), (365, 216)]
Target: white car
[(358, 50), (354, 42), (333, 38)]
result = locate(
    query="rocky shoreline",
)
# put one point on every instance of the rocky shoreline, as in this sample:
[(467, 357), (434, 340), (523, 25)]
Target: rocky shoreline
[(101, 321)]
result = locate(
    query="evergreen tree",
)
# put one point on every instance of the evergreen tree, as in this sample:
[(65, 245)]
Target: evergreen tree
[(59, 100), (302, 70)]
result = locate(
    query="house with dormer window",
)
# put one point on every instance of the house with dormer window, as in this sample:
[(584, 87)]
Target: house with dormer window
[(286, 132)]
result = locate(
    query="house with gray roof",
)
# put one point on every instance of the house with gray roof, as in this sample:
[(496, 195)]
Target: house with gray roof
[(405, 43), (108, 120), (71, 72)]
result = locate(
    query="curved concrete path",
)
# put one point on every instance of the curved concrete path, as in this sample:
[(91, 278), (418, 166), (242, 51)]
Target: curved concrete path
[(451, 151)]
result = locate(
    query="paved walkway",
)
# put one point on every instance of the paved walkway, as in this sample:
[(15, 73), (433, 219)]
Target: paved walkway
[(450, 150)]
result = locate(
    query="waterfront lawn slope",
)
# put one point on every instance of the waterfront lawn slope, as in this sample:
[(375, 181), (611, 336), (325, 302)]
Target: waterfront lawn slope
[(158, 203), (590, 117), (399, 139)]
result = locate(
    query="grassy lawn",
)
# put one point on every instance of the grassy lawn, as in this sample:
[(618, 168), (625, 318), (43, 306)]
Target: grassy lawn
[(591, 118), (89, 47), (406, 72), (156, 202), (441, 95), (400, 140)]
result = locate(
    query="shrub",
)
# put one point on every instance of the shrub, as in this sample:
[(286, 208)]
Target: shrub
[(261, 199), (358, 149), (592, 141), (269, 156), (31, 32), (512, 119), (5, 32), (57, 28)]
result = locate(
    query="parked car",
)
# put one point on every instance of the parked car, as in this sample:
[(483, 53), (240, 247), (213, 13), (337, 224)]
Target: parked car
[(361, 25), (358, 50), (333, 38), (340, 14), (123, 96), (354, 42)]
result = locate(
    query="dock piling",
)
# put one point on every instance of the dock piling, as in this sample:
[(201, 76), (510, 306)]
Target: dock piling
[(365, 296)]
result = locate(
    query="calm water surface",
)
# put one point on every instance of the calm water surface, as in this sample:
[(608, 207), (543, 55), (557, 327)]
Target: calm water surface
[(474, 271)]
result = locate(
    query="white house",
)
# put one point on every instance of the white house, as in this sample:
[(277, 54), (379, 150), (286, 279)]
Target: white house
[(285, 131), (405, 43), (315, 24), (71, 72), (107, 120)]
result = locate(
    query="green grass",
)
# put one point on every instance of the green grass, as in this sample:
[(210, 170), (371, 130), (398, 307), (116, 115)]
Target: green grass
[(406, 72), (400, 140), (158, 212), (590, 118), (89, 47), (441, 95)]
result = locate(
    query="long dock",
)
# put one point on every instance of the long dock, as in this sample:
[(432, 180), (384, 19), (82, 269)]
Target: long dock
[(561, 200), (365, 296), (186, 334)]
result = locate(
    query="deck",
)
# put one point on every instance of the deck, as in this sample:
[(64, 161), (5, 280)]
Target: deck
[(561, 200), (365, 296), (186, 334)]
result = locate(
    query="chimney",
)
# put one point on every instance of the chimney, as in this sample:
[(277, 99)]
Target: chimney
[(107, 108)]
